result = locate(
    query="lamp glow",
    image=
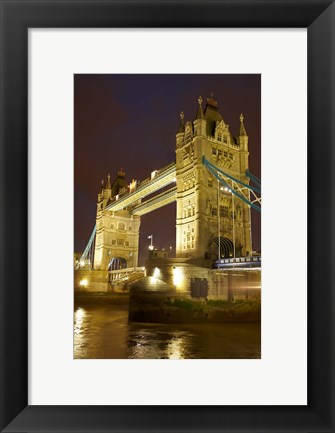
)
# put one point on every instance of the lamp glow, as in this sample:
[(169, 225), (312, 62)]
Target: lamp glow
[(178, 277), (83, 283)]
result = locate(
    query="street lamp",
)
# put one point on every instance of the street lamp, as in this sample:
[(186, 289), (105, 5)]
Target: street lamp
[(151, 237), (233, 215), (219, 244), (233, 224)]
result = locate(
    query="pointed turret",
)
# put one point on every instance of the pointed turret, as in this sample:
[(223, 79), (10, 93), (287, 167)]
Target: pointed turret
[(200, 113), (200, 121), (181, 131), (108, 188), (108, 184), (242, 140), (181, 128), (242, 131), (100, 194)]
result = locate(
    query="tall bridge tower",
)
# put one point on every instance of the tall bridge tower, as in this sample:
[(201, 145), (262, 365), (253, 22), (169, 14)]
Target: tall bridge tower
[(117, 235), (210, 221)]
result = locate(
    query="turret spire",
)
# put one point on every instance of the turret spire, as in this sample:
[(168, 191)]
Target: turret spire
[(108, 185), (181, 124), (242, 131), (200, 113)]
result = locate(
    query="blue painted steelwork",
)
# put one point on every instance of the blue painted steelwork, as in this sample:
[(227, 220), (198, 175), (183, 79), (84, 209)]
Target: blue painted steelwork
[(253, 178), (87, 256), (252, 188), (215, 170)]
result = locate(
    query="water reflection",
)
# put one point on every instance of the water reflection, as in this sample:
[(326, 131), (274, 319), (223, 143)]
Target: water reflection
[(79, 316), (175, 348), (103, 332)]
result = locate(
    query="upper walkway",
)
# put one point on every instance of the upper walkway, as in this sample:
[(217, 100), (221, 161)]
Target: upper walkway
[(158, 180)]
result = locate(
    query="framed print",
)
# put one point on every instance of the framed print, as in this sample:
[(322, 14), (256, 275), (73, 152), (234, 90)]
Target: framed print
[(170, 339), (165, 395)]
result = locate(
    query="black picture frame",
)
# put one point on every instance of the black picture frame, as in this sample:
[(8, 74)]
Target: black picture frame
[(16, 18)]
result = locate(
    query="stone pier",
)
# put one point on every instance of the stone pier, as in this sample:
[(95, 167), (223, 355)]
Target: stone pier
[(230, 284)]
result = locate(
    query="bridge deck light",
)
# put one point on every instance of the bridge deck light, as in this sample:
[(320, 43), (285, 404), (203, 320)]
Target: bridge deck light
[(178, 277), (83, 283)]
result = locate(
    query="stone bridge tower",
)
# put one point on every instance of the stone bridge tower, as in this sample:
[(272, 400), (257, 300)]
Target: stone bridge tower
[(205, 211), (117, 236)]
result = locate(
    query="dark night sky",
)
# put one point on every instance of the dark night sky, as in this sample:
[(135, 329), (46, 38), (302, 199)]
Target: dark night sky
[(130, 121)]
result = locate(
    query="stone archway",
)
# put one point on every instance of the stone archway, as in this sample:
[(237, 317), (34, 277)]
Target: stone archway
[(226, 248), (117, 263)]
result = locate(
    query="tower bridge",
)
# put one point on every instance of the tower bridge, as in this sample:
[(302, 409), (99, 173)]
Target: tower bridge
[(211, 185)]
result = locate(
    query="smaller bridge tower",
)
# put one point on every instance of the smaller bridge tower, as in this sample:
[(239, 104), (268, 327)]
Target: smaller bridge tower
[(117, 236)]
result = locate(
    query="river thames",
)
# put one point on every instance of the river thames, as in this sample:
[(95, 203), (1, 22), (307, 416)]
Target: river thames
[(103, 332)]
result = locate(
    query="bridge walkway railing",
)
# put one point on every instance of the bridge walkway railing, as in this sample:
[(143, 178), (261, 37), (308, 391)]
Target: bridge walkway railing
[(239, 262), (124, 275), (143, 185)]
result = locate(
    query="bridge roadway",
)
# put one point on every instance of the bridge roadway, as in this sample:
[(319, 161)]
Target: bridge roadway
[(161, 179)]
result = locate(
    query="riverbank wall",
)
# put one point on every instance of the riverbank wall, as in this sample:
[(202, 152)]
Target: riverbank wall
[(164, 308), (100, 298)]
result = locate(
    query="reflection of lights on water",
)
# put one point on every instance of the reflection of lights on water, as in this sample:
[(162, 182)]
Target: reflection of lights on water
[(81, 333), (79, 317), (178, 277), (174, 349)]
